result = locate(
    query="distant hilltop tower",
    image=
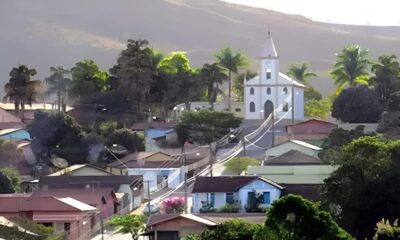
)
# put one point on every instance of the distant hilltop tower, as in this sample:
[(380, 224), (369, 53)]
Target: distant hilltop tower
[(272, 89)]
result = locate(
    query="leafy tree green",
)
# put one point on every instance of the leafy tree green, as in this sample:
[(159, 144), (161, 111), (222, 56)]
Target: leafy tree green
[(363, 189), (129, 223), (232, 60), (295, 218), (206, 126), (357, 104), (389, 124), (14, 177), (7, 147), (240, 164), (6, 185), (20, 89), (338, 138), (228, 208), (317, 108), (311, 94), (87, 79), (213, 74), (351, 67), (63, 137), (387, 77), (58, 84), (387, 231), (235, 229), (238, 84), (36, 231), (127, 138), (301, 72)]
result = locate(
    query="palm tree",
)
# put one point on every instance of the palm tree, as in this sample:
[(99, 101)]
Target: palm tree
[(351, 67), (58, 84), (20, 89), (213, 74), (300, 72), (232, 61)]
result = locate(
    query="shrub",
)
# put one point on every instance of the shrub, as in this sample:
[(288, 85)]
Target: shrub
[(228, 208), (173, 205)]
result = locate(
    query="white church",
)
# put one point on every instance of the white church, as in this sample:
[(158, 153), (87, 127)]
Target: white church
[(272, 89)]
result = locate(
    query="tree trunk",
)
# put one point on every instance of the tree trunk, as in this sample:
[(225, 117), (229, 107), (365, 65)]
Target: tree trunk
[(23, 112), (58, 100)]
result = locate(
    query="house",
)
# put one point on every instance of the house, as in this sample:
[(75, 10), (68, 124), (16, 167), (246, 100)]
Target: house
[(237, 108), (104, 199), (66, 215), (298, 145), (293, 157), (159, 170), (82, 170), (8, 120), (239, 190), (272, 90), (297, 178), (178, 226), (130, 185), (309, 130)]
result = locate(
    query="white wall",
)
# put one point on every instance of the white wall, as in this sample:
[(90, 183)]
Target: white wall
[(259, 187)]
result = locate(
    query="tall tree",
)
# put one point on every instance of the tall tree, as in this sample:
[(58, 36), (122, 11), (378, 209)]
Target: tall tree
[(232, 60), (133, 72), (351, 67), (387, 77), (58, 84), (213, 74), (87, 79), (21, 89), (301, 72), (129, 223), (364, 188)]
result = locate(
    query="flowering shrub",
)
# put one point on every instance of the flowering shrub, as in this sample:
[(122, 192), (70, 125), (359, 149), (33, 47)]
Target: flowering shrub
[(173, 205)]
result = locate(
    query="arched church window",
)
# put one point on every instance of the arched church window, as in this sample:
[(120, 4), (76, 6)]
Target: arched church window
[(284, 90), (252, 107), (251, 91), (268, 91), (268, 74), (286, 107)]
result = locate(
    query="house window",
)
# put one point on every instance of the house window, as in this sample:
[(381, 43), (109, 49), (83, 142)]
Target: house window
[(67, 227), (229, 198), (268, 73), (252, 107), (266, 197), (251, 91), (286, 107), (212, 199), (285, 90), (238, 110), (268, 91)]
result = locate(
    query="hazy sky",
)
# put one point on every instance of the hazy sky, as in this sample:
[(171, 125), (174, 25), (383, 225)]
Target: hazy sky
[(360, 12)]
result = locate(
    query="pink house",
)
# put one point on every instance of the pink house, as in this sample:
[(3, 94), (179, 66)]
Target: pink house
[(66, 215)]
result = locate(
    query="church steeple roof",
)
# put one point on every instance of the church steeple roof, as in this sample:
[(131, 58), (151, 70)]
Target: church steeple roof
[(269, 50)]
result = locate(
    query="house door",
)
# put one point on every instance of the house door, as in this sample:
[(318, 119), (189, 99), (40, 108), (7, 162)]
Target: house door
[(268, 108)]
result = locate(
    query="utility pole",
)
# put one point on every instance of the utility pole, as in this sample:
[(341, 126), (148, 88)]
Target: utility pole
[(185, 176), (148, 195)]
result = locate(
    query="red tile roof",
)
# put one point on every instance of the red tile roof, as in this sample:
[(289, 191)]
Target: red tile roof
[(293, 157)]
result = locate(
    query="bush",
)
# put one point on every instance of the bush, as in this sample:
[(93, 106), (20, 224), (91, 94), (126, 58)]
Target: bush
[(173, 205), (228, 208), (357, 104), (127, 138)]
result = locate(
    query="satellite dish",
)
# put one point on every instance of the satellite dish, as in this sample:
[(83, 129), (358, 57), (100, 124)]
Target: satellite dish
[(59, 162)]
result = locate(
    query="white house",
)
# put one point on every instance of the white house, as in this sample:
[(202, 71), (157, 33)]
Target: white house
[(272, 89), (218, 191)]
